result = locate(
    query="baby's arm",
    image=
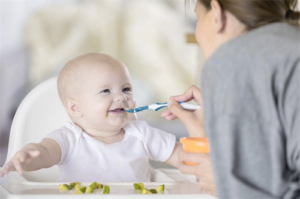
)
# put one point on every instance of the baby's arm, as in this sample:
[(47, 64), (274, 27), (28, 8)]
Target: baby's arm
[(174, 158), (34, 157)]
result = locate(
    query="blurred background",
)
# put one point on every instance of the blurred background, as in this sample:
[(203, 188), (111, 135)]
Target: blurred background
[(38, 37)]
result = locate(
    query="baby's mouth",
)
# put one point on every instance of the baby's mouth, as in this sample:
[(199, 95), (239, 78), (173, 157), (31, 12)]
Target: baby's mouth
[(117, 110)]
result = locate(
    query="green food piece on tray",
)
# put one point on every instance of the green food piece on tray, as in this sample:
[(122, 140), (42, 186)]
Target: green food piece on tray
[(106, 189), (99, 185), (161, 188), (72, 184), (139, 186), (64, 187), (89, 190), (80, 188), (93, 186), (153, 190), (145, 191)]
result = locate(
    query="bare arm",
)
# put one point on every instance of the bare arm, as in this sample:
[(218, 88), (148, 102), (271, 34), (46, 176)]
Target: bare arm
[(34, 157), (174, 158)]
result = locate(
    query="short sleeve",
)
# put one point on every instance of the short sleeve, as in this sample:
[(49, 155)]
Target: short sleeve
[(160, 144), (65, 139)]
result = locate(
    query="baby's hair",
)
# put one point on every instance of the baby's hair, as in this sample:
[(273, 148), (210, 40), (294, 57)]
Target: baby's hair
[(69, 76)]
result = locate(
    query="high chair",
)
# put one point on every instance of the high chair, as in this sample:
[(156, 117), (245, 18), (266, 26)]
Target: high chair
[(40, 113)]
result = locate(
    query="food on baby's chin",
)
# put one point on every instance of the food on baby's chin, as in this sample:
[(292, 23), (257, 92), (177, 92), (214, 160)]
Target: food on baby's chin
[(138, 186), (106, 190), (153, 190), (145, 191), (161, 188), (64, 187)]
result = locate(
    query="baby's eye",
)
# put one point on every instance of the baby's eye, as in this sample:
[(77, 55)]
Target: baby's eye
[(126, 89), (105, 91)]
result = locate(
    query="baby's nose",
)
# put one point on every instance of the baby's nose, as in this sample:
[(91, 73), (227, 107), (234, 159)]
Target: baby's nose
[(120, 97)]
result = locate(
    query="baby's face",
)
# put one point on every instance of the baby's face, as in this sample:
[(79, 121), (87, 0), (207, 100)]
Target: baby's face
[(105, 92)]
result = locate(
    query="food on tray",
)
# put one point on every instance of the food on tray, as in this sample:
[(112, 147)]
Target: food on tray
[(161, 188), (145, 191), (64, 187), (80, 188), (106, 189), (153, 190), (93, 185), (99, 185), (72, 184), (138, 186), (89, 190)]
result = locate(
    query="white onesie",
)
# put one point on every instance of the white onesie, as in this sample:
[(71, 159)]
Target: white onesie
[(86, 159)]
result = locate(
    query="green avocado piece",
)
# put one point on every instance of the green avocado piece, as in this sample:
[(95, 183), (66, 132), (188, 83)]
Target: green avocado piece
[(99, 185), (80, 188), (64, 187), (145, 191), (93, 185), (153, 190), (161, 188), (89, 190), (106, 190), (72, 184), (139, 186)]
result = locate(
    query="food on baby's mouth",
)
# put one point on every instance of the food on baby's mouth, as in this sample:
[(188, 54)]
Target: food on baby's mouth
[(106, 190), (161, 188), (145, 191), (64, 187), (138, 186)]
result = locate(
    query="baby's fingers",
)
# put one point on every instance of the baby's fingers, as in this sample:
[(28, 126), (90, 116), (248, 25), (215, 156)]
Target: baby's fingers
[(17, 165), (8, 167)]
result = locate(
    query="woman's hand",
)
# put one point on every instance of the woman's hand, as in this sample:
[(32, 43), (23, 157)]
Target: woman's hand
[(193, 120), (203, 170)]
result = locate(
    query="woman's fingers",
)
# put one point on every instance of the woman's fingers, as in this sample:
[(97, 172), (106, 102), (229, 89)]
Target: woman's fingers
[(193, 93), (190, 157)]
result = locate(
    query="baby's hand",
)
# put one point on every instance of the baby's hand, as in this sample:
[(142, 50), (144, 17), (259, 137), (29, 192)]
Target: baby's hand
[(21, 160)]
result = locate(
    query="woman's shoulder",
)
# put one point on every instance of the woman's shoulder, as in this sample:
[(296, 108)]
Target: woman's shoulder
[(271, 44)]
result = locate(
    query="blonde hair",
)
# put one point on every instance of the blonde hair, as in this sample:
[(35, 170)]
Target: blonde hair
[(256, 13)]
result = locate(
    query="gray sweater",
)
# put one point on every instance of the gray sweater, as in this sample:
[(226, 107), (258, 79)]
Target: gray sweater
[(251, 96)]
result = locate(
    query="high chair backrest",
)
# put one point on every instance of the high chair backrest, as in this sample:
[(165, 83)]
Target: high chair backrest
[(40, 113)]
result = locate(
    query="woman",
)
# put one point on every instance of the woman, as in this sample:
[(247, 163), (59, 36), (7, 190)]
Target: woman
[(251, 99)]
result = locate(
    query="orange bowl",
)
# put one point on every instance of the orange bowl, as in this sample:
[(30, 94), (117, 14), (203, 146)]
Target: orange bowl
[(195, 145)]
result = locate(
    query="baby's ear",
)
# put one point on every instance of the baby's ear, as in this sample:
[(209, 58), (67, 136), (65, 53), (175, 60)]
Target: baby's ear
[(73, 108)]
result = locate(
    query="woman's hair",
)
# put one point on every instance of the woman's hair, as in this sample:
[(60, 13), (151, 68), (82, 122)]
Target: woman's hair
[(256, 13)]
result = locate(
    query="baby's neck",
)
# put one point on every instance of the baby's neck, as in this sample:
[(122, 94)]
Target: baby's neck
[(106, 137)]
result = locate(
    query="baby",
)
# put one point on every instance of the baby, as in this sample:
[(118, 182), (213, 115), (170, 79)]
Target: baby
[(101, 144)]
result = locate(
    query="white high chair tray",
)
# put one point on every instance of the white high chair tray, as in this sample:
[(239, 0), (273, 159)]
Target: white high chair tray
[(177, 185)]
